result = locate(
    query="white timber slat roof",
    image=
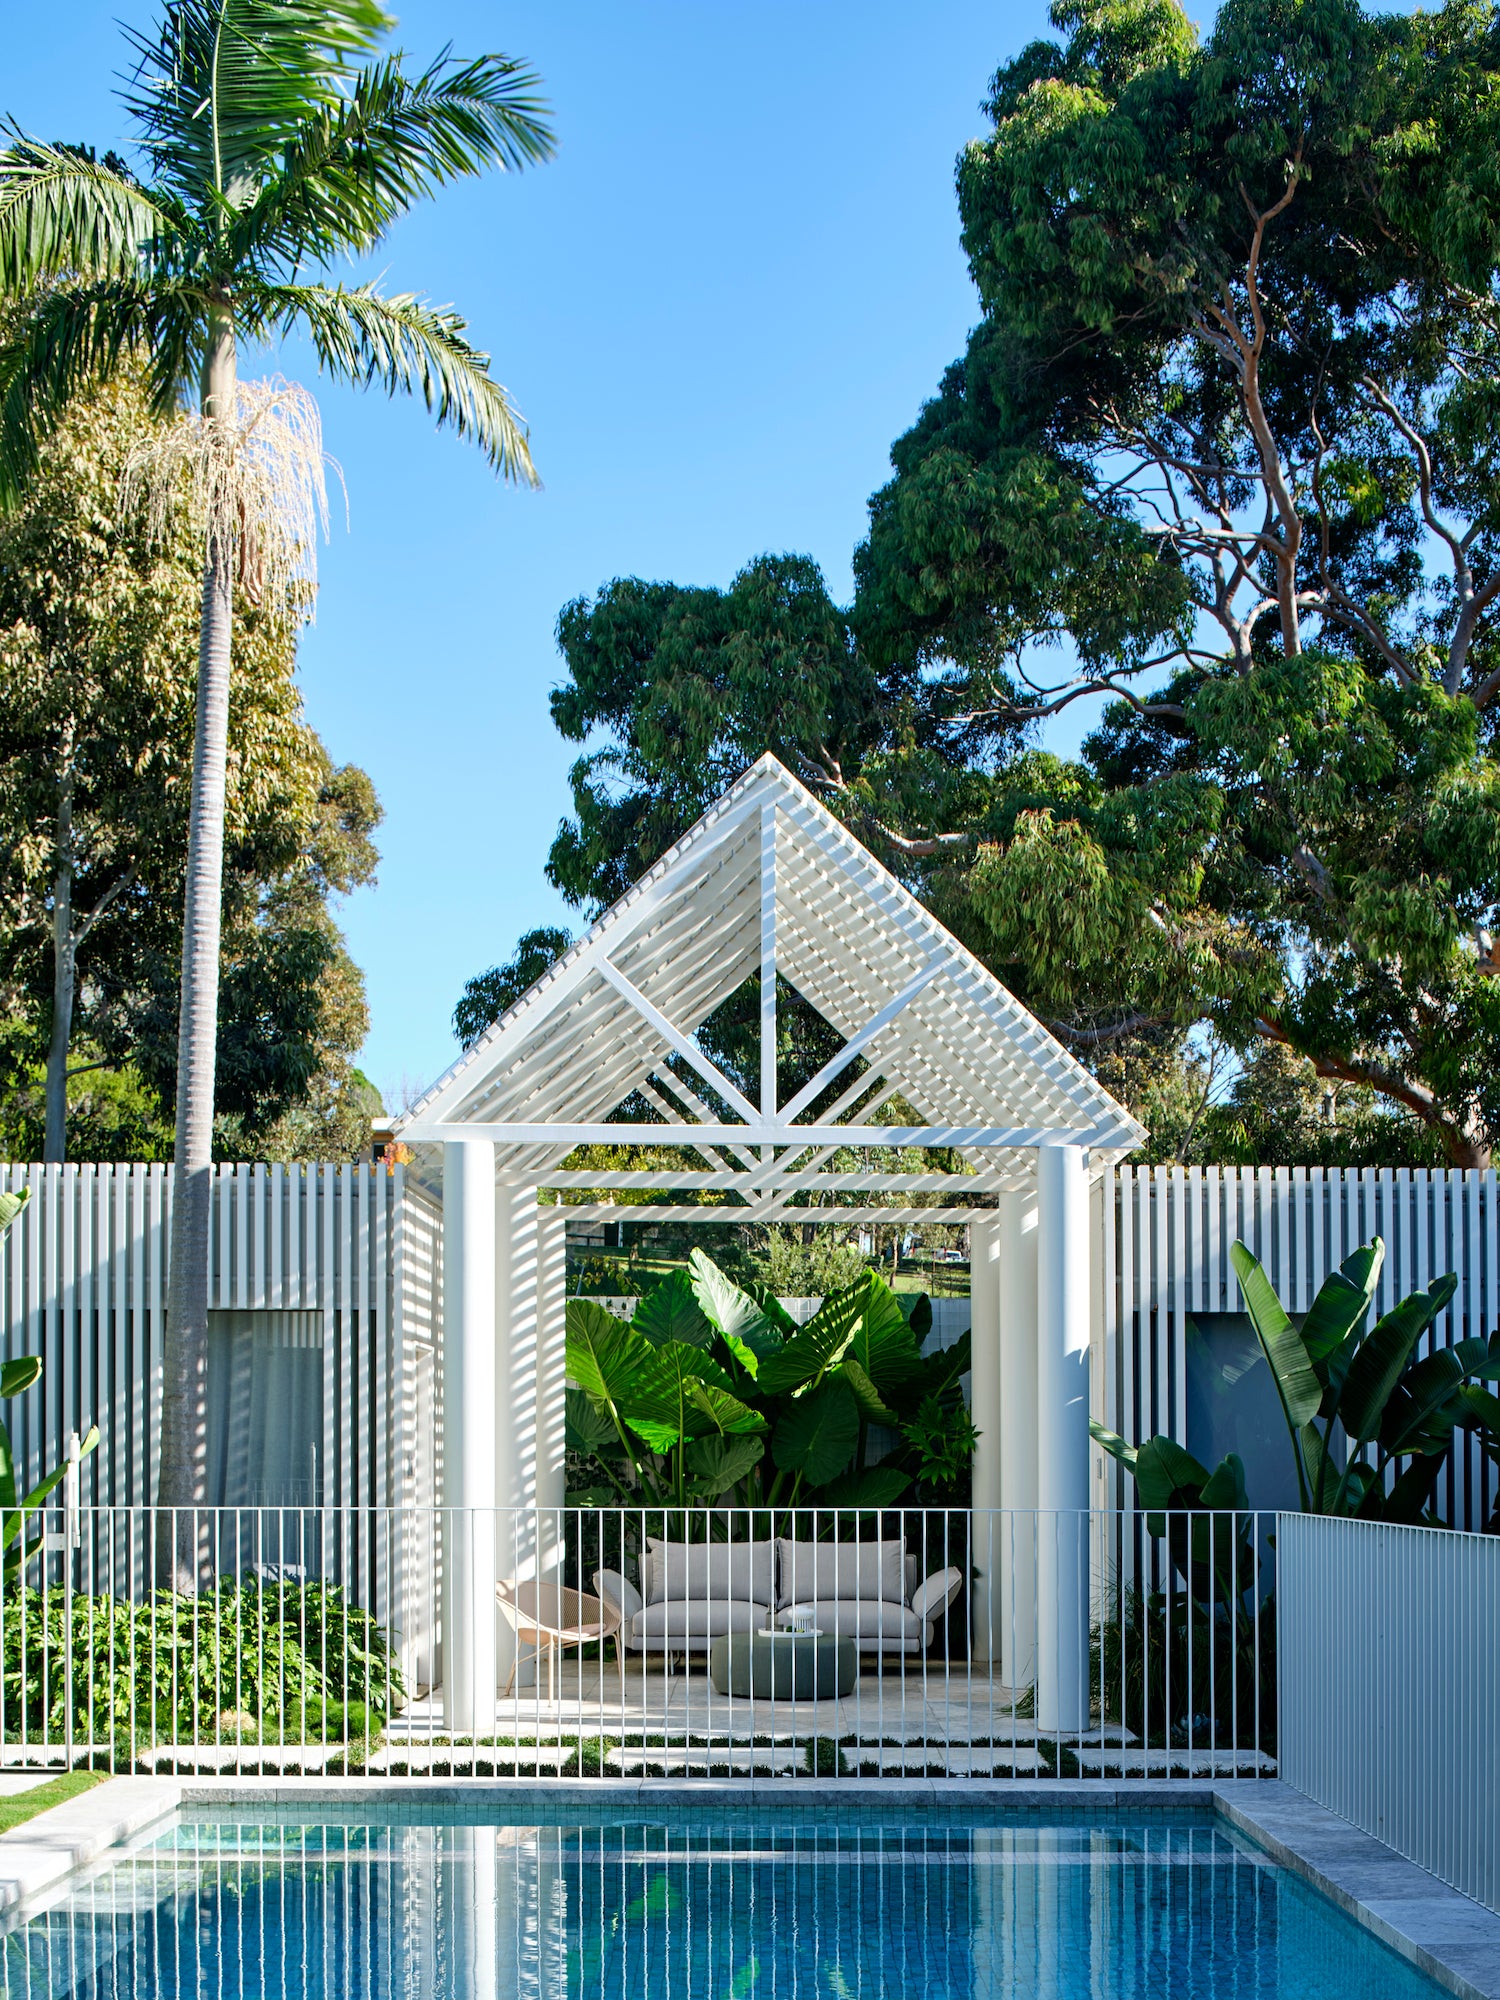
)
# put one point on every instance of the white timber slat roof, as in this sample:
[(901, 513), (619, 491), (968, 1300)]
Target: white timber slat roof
[(769, 880)]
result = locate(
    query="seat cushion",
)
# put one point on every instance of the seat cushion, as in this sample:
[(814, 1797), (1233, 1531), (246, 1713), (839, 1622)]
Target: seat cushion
[(676, 1571), (698, 1618), (816, 1572), (874, 1620)]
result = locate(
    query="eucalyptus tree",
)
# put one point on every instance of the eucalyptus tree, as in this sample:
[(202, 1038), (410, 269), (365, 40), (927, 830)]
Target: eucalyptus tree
[(275, 139)]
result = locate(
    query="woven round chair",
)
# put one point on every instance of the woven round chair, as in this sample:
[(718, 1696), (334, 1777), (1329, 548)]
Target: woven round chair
[(550, 1617)]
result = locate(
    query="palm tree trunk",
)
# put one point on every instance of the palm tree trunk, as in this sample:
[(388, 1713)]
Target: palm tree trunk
[(64, 970), (182, 1468)]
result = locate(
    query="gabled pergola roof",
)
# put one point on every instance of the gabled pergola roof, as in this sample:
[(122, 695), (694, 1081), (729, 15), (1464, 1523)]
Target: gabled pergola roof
[(769, 881)]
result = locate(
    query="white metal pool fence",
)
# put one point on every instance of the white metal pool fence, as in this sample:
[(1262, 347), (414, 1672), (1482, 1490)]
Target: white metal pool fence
[(945, 1642), (1390, 1687)]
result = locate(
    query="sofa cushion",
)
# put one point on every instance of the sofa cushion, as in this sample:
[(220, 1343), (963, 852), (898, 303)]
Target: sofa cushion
[(698, 1618), (815, 1572), (872, 1619), (678, 1571)]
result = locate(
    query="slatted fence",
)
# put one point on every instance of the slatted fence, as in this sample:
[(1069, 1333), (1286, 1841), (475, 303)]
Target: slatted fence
[(1165, 1257)]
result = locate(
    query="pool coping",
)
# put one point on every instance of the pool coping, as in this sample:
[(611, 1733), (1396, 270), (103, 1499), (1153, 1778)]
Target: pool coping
[(1450, 1937)]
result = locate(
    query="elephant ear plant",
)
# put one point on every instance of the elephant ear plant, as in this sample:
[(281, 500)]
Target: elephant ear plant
[(711, 1391), (1370, 1422)]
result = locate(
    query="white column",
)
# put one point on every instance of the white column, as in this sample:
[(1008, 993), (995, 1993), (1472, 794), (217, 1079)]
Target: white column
[(469, 1440), (984, 1408), (474, 1877), (1015, 1615), (1062, 1438), (515, 1406), (551, 1386)]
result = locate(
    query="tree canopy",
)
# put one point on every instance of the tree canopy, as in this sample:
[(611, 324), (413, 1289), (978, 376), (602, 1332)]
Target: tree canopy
[(98, 641), (1221, 457)]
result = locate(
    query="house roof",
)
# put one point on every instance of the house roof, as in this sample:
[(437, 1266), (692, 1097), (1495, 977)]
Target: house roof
[(769, 880)]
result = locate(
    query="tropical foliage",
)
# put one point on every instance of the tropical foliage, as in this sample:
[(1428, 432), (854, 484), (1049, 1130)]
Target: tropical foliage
[(1369, 1421), (711, 1394)]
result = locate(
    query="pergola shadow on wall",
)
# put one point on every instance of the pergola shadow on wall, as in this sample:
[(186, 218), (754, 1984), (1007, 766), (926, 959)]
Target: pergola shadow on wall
[(770, 883)]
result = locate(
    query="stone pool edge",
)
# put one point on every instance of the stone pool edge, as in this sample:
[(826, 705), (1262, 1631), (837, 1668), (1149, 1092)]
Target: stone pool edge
[(1454, 1940)]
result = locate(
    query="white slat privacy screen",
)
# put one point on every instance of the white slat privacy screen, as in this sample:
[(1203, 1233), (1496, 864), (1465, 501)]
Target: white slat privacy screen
[(1167, 1240), (83, 1282), (83, 1277)]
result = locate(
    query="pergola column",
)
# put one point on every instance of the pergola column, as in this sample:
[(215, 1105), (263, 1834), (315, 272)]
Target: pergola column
[(1017, 1526), (986, 1622), (470, 1438), (1062, 1321)]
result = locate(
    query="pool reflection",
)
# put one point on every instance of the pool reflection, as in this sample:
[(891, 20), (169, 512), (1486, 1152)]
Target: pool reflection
[(683, 1910)]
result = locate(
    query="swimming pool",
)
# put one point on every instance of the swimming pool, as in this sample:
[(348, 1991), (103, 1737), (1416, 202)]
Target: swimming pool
[(862, 1903)]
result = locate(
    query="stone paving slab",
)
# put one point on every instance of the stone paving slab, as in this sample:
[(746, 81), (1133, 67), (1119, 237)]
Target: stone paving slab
[(1449, 1935)]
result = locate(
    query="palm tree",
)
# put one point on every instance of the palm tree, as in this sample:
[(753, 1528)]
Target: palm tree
[(274, 138)]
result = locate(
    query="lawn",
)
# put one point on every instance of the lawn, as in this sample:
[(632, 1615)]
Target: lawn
[(22, 1806)]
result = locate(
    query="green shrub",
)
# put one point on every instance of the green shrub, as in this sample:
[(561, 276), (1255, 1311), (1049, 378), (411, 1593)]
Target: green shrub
[(236, 1661)]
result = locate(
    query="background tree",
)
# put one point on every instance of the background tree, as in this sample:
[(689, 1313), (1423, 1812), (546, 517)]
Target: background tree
[(97, 664), (275, 141), (1226, 434), (1221, 455)]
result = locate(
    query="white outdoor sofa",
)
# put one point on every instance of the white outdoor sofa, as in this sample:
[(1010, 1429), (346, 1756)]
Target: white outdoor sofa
[(691, 1593)]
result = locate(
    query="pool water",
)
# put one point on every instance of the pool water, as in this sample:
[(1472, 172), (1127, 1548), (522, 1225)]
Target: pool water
[(698, 1905)]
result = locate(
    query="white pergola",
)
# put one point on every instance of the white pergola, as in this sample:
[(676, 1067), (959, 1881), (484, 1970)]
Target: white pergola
[(766, 882)]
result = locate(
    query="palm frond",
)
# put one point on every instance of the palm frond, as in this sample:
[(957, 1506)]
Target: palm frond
[(69, 337), (65, 214), (223, 87), (356, 166), (408, 347)]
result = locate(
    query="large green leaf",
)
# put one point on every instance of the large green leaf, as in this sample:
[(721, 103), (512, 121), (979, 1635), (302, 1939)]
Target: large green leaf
[(749, 1329), (15, 1516), (817, 1433), (1480, 1411), (1343, 1301), (1296, 1383), (17, 1376), (717, 1463), (605, 1356), (1410, 1496), (1322, 1472), (681, 1392), (1113, 1443), (944, 1368), (1168, 1477), (1423, 1407), (672, 1312), (884, 1344), (773, 1309), (917, 1308), (1383, 1355), (586, 1428), (11, 1206), (872, 1486), (1226, 1485), (871, 1408), (818, 1346)]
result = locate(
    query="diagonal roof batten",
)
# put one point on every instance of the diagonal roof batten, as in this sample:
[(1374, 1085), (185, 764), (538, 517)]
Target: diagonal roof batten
[(931, 1022)]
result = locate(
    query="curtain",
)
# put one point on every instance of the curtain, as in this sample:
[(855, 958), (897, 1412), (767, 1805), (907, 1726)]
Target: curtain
[(265, 1409)]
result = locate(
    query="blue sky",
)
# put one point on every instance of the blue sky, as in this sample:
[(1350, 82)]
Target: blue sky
[(716, 308)]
